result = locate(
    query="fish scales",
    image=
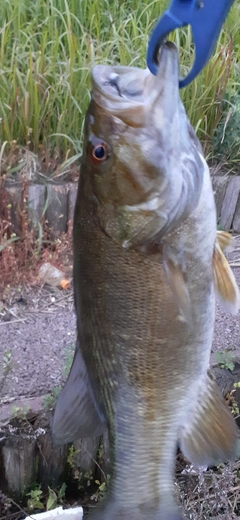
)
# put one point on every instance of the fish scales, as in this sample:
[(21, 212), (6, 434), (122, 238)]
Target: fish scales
[(144, 288)]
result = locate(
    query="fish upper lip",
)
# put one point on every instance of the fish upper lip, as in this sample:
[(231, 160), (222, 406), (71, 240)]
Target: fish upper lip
[(114, 82), (120, 88), (104, 78)]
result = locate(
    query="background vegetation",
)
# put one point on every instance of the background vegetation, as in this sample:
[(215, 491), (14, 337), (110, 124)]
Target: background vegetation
[(48, 47)]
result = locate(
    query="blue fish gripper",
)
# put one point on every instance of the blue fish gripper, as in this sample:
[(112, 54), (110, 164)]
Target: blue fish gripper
[(205, 17)]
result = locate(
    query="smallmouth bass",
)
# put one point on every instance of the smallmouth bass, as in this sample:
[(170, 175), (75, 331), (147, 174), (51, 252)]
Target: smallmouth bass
[(147, 264)]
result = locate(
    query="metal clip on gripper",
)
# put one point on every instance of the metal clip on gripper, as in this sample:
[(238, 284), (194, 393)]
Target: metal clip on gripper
[(206, 18)]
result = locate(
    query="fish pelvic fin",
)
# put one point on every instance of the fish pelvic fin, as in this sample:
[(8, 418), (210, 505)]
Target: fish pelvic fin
[(177, 282), (76, 414), (225, 283), (210, 435)]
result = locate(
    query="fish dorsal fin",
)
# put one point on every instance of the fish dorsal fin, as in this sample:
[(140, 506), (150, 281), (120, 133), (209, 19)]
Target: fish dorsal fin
[(179, 287), (224, 280), (76, 415), (209, 435)]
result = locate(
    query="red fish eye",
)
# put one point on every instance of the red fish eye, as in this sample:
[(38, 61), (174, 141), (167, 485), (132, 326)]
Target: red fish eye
[(99, 152)]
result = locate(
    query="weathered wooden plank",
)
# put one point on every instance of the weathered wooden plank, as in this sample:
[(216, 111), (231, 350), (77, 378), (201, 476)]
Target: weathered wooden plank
[(18, 453), (15, 198), (224, 379), (236, 218), (57, 209), (28, 407), (35, 202), (219, 184), (104, 458), (72, 195), (230, 202), (52, 460), (86, 453), (61, 201)]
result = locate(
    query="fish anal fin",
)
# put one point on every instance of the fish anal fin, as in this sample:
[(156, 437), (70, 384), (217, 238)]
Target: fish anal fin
[(225, 241), (224, 281), (76, 415), (210, 434), (177, 282)]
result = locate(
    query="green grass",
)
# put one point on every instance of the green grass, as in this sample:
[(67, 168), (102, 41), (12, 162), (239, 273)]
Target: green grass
[(48, 47)]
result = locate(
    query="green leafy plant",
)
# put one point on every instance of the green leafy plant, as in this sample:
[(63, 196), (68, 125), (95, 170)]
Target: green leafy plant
[(55, 497), (72, 452), (36, 499), (48, 48), (226, 139), (235, 408), (225, 359), (19, 412), (85, 479), (101, 490)]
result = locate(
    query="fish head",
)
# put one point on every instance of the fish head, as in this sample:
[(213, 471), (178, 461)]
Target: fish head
[(140, 153)]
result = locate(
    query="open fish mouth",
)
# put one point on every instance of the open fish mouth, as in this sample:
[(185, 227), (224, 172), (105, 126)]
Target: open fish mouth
[(121, 89)]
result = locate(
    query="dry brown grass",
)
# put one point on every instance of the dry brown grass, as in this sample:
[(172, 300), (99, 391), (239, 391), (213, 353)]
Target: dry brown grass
[(21, 255), (212, 494)]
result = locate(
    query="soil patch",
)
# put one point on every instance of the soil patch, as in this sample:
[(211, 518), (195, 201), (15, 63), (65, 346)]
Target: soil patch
[(37, 341)]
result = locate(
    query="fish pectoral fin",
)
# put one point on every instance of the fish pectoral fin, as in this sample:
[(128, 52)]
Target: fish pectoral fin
[(76, 415), (179, 288), (225, 284), (210, 435)]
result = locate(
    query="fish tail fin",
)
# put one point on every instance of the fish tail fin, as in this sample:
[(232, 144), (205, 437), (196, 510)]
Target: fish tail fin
[(113, 510), (210, 435), (224, 280)]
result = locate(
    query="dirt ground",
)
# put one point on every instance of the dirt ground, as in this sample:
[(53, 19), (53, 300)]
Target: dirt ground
[(38, 328), (38, 331)]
